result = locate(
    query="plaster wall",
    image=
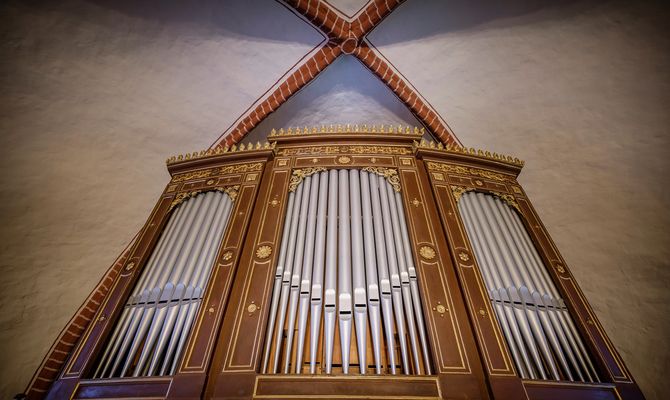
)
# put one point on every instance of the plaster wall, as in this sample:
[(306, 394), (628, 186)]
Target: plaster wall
[(95, 95)]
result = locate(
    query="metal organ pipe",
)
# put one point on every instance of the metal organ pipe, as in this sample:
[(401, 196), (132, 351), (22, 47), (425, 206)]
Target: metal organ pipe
[(538, 328), (154, 325), (353, 262)]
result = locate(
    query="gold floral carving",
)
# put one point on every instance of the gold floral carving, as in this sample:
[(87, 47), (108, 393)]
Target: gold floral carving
[(343, 159), (463, 256), (391, 175), (300, 174), (263, 252), (427, 252), (231, 191), (227, 255), (459, 191), (509, 199), (193, 175), (457, 169), (400, 130)]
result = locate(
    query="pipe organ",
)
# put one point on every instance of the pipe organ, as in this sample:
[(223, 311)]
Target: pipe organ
[(343, 263)]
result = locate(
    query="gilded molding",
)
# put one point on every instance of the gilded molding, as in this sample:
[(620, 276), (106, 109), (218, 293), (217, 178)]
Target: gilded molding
[(458, 169), (300, 174), (218, 151), (453, 148), (399, 129), (231, 191), (355, 149), (228, 169), (391, 175)]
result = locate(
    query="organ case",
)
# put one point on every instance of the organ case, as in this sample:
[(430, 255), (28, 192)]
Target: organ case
[(356, 264)]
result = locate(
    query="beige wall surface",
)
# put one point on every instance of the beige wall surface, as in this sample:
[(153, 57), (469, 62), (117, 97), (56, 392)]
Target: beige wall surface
[(96, 94)]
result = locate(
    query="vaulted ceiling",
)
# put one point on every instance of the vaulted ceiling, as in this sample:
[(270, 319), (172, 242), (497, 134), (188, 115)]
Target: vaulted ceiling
[(96, 94)]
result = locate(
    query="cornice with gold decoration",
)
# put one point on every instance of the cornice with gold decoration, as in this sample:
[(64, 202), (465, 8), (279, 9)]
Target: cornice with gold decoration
[(219, 151), (348, 128), (456, 149)]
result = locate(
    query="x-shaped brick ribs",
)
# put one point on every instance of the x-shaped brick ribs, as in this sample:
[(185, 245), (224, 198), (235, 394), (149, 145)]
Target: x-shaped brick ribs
[(348, 37)]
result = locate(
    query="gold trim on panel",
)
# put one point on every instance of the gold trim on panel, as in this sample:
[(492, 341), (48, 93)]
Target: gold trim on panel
[(459, 169)]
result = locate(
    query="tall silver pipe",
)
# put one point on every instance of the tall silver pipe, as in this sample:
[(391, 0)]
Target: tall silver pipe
[(142, 320), (286, 278), (174, 291), (404, 275), (316, 299), (307, 265), (281, 260), (371, 271), (495, 285), (396, 291), (383, 271), (309, 196), (513, 313), (194, 290), (344, 270), (330, 298), (358, 270), (414, 285), (200, 258)]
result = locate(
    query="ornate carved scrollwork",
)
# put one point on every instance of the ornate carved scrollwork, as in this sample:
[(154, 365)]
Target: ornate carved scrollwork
[(391, 175), (300, 174)]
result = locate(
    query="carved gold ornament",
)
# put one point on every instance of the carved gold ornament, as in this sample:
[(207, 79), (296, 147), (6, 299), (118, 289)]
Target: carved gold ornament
[(263, 252), (231, 191), (459, 191), (560, 268), (391, 175), (441, 309), (300, 174), (252, 308), (509, 199), (416, 202), (464, 256), (343, 159), (427, 252), (130, 266), (227, 255)]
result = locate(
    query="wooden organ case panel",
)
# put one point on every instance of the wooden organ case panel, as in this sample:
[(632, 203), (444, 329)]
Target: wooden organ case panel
[(398, 210), (240, 370), (236, 173), (454, 172)]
